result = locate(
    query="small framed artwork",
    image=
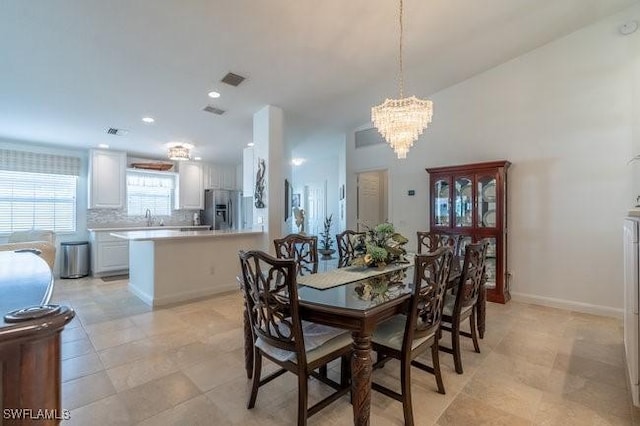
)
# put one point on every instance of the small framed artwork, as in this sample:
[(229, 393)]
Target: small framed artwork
[(287, 191), (295, 200), (342, 192)]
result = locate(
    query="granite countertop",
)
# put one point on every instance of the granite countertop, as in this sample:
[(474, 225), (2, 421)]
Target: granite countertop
[(147, 228), (166, 234)]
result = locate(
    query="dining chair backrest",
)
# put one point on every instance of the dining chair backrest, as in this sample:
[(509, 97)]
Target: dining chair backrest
[(350, 243), (431, 271), (471, 277), (271, 296), (301, 248), (430, 241)]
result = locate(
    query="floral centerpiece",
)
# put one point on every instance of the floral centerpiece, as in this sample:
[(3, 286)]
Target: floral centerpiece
[(382, 246)]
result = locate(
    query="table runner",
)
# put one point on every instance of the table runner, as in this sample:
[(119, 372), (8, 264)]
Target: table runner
[(341, 276)]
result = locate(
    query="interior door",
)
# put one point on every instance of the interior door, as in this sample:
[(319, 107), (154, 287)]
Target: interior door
[(369, 199), (316, 208), (631, 300)]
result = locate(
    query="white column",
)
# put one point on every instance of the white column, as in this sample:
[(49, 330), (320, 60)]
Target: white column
[(268, 136)]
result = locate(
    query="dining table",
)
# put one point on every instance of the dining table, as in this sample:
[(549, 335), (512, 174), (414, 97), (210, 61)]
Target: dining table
[(30, 340), (357, 300)]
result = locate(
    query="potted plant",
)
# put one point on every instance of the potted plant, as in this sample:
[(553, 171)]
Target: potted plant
[(326, 242)]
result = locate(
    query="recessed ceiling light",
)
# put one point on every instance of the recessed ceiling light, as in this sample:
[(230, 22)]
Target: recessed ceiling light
[(148, 120), (251, 144), (214, 94), (197, 158), (103, 145)]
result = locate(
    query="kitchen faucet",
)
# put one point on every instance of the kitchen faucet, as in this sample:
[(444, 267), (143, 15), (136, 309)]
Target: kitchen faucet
[(147, 215)]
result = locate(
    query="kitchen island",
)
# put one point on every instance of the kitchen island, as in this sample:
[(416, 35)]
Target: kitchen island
[(169, 266)]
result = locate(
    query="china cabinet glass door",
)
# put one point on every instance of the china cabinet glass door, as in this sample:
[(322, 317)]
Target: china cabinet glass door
[(441, 207), (487, 201), (490, 264), (463, 202)]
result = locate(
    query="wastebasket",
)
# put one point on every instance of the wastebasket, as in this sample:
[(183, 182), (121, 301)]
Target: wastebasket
[(75, 259)]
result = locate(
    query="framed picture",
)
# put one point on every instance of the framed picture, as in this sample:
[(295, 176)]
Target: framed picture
[(295, 200), (287, 197)]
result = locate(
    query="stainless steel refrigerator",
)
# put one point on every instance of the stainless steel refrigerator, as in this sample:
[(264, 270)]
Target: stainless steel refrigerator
[(223, 209)]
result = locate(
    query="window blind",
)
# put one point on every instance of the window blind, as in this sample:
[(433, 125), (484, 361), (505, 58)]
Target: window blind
[(37, 201), (34, 162), (147, 190)]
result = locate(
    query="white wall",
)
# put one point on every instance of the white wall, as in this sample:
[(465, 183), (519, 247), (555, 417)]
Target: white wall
[(563, 114), (318, 169)]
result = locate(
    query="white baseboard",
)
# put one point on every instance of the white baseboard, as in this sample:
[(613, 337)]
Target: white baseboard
[(192, 295), (141, 295), (587, 308)]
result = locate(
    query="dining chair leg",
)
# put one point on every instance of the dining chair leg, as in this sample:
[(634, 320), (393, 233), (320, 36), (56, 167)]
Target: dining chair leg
[(455, 346), (435, 358), (345, 372), (302, 398), (405, 379), (323, 371), (257, 371), (248, 344), (474, 333)]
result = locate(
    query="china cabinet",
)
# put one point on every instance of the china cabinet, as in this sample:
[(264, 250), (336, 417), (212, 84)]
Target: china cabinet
[(471, 200)]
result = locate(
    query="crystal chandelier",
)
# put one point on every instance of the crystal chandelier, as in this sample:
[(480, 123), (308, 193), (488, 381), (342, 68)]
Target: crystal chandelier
[(401, 121), (180, 151)]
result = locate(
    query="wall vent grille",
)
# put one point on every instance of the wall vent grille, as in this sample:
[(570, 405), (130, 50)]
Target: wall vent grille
[(116, 132), (368, 137), (232, 79), (213, 110)]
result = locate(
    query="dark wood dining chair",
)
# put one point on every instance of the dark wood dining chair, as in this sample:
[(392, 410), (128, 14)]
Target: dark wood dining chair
[(464, 303), (405, 337), (297, 346), (429, 241), (349, 244), (301, 248)]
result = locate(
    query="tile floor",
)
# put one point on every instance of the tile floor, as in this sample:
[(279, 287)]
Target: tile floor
[(126, 364)]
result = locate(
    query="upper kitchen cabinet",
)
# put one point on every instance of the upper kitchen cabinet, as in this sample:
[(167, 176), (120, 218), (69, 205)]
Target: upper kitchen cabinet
[(107, 179), (190, 194), (471, 200), (219, 177)]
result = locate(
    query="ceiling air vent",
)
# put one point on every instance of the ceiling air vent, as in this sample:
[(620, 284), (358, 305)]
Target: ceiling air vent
[(368, 137), (232, 79), (213, 110), (116, 132)]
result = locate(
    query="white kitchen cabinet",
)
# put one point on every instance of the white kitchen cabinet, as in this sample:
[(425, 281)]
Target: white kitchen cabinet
[(220, 176), (190, 191), (228, 177), (109, 255), (212, 177), (106, 181)]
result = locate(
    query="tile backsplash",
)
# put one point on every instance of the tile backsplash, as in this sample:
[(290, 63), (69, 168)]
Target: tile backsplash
[(111, 218)]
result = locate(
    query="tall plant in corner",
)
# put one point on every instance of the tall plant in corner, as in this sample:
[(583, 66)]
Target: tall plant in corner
[(326, 242)]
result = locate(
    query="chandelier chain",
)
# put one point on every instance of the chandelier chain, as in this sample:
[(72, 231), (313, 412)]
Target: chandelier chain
[(401, 121), (401, 76)]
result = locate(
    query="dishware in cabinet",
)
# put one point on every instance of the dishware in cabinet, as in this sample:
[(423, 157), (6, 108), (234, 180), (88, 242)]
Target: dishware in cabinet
[(470, 200)]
